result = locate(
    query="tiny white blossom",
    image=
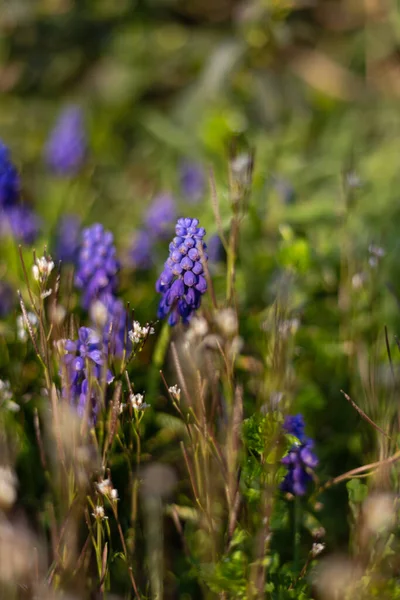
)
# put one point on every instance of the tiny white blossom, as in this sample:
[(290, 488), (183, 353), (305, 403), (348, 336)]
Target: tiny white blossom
[(316, 549), (42, 268), (6, 397), (175, 392), (104, 487), (138, 333), (114, 494), (226, 320), (137, 402), (99, 513)]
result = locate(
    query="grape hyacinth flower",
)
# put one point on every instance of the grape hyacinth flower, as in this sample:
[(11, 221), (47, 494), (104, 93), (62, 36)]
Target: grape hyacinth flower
[(97, 265), (67, 239), (160, 215), (300, 460), (182, 282), (192, 181), (84, 360), (10, 184), (140, 251), (66, 149)]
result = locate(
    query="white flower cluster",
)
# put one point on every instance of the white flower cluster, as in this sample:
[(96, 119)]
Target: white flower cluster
[(105, 487), (175, 392), (137, 401), (98, 513), (42, 268), (138, 333)]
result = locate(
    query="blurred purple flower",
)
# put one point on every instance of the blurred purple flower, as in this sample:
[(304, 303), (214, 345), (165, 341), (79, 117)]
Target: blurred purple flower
[(192, 181), (300, 459), (140, 252), (23, 223), (294, 424), (160, 216), (66, 149), (215, 249), (10, 184), (98, 265), (67, 239), (84, 361), (7, 299)]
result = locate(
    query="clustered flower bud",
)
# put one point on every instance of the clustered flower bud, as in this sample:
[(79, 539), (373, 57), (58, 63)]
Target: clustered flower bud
[(182, 282), (300, 460), (42, 268), (84, 361), (97, 264), (138, 333), (137, 401)]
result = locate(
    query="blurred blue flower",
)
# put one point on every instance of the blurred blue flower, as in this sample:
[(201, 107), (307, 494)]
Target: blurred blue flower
[(84, 361), (115, 330), (23, 223), (67, 239), (192, 181), (10, 184), (7, 299), (294, 424), (300, 460), (215, 249), (66, 148), (140, 253), (160, 216), (98, 265), (182, 283)]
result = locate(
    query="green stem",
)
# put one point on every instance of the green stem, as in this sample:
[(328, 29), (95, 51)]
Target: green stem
[(296, 532)]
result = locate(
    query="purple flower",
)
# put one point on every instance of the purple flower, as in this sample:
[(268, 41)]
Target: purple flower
[(300, 460), (10, 184), (66, 149), (67, 239), (192, 181), (215, 249), (85, 371), (23, 223), (116, 328), (140, 251), (7, 299), (97, 264), (294, 424), (160, 216), (182, 282)]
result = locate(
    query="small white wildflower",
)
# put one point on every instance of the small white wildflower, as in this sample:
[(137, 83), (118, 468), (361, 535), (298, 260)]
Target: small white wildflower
[(42, 268), (288, 327), (198, 329), (122, 407), (114, 494), (376, 251), (104, 487), (175, 392), (6, 397), (99, 513), (316, 549), (137, 402), (138, 333), (99, 313)]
